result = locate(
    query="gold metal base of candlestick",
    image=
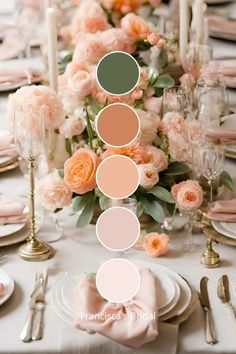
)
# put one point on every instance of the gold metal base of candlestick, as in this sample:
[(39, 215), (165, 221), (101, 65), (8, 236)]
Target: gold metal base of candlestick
[(209, 258), (35, 251)]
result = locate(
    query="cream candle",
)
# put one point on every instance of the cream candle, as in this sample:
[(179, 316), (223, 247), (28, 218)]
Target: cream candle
[(52, 47), (183, 31), (199, 21)]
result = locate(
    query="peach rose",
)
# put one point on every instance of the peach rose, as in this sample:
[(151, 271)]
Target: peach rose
[(188, 195), (53, 193), (81, 83), (156, 157), (156, 244), (161, 43), (173, 122), (135, 26), (148, 175), (80, 171), (123, 6), (71, 127), (134, 151), (153, 38)]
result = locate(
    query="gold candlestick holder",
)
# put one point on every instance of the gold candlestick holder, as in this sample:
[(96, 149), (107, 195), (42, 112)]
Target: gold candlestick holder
[(210, 258), (34, 250)]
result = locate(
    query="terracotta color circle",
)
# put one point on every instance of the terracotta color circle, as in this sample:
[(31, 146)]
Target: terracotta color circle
[(118, 280), (117, 177), (118, 73), (118, 229), (118, 125)]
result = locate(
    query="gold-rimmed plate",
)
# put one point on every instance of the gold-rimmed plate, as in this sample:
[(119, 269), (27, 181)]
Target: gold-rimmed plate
[(210, 232)]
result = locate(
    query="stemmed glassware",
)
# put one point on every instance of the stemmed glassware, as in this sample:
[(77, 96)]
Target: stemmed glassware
[(197, 58), (178, 99), (211, 162), (29, 133)]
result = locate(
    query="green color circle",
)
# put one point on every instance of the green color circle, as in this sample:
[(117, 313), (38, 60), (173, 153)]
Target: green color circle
[(118, 73)]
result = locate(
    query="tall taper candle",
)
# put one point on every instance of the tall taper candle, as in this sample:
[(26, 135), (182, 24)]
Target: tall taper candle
[(199, 21), (183, 31), (52, 47)]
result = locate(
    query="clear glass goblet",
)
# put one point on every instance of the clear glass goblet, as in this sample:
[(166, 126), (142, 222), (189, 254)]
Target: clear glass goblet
[(178, 99), (197, 58)]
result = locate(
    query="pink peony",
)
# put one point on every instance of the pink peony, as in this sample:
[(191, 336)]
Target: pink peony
[(153, 104), (115, 39), (188, 195), (71, 127), (53, 193), (148, 175), (149, 125), (173, 122), (89, 50), (153, 38), (89, 18), (156, 157), (135, 26), (37, 99), (156, 244), (179, 148)]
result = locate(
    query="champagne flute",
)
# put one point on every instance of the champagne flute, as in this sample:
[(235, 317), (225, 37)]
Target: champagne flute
[(197, 58)]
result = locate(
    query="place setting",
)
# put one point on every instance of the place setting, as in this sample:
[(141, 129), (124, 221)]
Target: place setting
[(117, 176)]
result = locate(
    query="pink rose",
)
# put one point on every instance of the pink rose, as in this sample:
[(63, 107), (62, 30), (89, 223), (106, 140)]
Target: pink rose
[(156, 157), (188, 195), (81, 83), (173, 122), (89, 50), (156, 244), (71, 127), (187, 80), (148, 175), (149, 124), (153, 38), (53, 193), (161, 43), (135, 26), (115, 39), (153, 104)]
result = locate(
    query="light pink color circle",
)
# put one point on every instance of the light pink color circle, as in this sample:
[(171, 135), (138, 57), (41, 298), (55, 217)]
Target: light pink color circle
[(117, 177), (118, 229), (118, 280)]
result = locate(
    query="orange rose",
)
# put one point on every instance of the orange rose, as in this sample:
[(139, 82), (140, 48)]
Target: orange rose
[(156, 244), (135, 26), (80, 171), (134, 151)]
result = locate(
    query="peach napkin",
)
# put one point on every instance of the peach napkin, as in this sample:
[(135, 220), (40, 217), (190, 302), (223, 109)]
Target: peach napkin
[(11, 212), (225, 135), (127, 331), (223, 210), (12, 74), (11, 47), (7, 148), (220, 24)]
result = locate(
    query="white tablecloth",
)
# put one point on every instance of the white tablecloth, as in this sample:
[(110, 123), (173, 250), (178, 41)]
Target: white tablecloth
[(78, 249)]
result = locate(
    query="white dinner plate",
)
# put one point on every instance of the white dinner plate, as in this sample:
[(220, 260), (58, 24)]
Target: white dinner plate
[(225, 228), (212, 2), (165, 310), (63, 299), (230, 122), (9, 229), (8, 283)]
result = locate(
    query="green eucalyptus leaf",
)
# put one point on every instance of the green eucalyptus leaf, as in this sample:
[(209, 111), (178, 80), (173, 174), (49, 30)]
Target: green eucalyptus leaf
[(103, 202), (139, 209), (79, 202), (162, 194), (164, 81), (68, 147), (153, 208), (170, 208), (177, 168), (94, 105), (87, 213), (166, 181), (227, 180), (66, 59), (61, 173)]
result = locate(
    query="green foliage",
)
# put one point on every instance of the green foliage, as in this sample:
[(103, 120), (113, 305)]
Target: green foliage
[(227, 180), (177, 168), (162, 194)]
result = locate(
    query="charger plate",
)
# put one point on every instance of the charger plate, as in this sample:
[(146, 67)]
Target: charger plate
[(10, 167), (210, 232)]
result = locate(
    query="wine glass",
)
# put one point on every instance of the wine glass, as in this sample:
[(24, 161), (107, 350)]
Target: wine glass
[(211, 160), (197, 58), (210, 114), (178, 99)]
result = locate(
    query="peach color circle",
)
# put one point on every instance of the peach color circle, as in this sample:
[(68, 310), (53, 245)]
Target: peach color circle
[(118, 124), (118, 229), (117, 176), (118, 280)]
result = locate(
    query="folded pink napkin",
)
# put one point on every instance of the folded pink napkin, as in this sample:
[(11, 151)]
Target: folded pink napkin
[(7, 148), (13, 74), (126, 330), (223, 210), (225, 135), (220, 24), (11, 47), (11, 212)]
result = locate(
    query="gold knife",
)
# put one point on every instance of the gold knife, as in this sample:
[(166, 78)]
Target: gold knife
[(224, 293), (205, 303)]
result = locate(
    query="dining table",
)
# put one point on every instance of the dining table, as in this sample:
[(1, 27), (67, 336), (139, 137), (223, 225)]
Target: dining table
[(79, 247)]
